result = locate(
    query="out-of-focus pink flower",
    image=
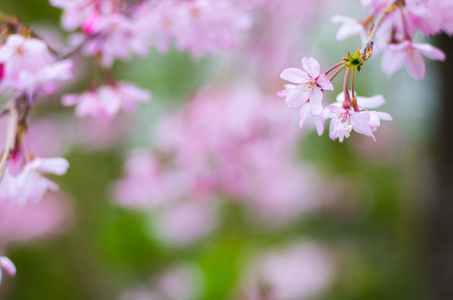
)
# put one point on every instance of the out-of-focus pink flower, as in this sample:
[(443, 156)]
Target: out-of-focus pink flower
[(115, 31), (308, 91), (181, 282), (221, 145), (350, 28), (185, 223), (29, 67), (7, 265), (200, 27), (25, 223), (299, 272), (344, 120), (29, 185), (74, 13), (410, 55), (106, 101)]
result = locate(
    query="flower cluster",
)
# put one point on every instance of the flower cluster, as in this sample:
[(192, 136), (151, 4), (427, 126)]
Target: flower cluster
[(28, 67), (389, 28), (111, 30), (395, 35), (347, 114)]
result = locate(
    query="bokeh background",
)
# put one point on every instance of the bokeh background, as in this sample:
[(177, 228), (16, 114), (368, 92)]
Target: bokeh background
[(322, 219)]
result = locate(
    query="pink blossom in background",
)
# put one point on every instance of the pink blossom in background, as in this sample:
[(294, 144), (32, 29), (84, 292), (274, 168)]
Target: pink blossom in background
[(26, 223), (185, 223), (275, 43), (109, 31), (147, 183), (200, 27), (222, 144), (298, 272), (107, 100), (350, 28), (411, 56), (29, 67), (180, 282), (118, 30)]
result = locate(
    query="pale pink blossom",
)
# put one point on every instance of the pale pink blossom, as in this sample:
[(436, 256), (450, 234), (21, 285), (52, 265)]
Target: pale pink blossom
[(107, 100), (185, 223), (200, 27), (112, 30), (28, 66), (410, 55), (7, 265), (443, 11), (179, 282), (344, 120), (301, 271), (221, 145), (34, 221), (350, 28), (115, 36), (75, 12), (308, 91), (29, 185)]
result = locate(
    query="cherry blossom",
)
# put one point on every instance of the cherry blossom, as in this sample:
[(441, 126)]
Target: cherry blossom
[(107, 100), (29, 185), (308, 91), (28, 66), (409, 54), (350, 28), (200, 27), (345, 118), (300, 271)]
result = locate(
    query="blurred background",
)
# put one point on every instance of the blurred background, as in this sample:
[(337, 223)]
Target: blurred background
[(211, 191)]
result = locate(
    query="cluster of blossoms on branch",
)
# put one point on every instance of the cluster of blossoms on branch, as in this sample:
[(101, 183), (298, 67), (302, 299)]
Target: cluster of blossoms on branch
[(389, 28), (105, 31)]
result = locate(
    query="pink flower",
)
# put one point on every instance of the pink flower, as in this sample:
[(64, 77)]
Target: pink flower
[(344, 121), (350, 28), (28, 66), (410, 55), (200, 27), (75, 12), (8, 265), (307, 92), (26, 223), (301, 271), (29, 185), (186, 222), (107, 101), (362, 121)]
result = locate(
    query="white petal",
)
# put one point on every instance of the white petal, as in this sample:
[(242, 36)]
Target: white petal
[(294, 75)]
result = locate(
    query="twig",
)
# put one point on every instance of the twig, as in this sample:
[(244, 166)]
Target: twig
[(13, 117)]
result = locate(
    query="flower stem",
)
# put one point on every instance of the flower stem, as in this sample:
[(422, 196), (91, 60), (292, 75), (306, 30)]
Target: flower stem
[(336, 73), (334, 67), (354, 99), (13, 117), (345, 87), (377, 23)]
